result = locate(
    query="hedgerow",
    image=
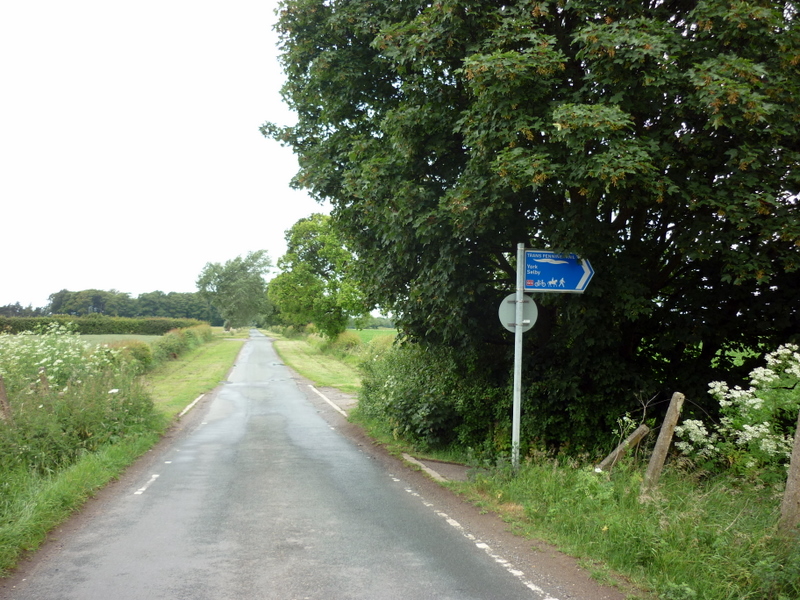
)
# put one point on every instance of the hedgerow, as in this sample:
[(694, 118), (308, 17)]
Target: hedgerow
[(434, 397), (98, 324)]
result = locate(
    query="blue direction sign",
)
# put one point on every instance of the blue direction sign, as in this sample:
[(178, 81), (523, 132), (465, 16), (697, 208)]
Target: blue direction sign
[(547, 271)]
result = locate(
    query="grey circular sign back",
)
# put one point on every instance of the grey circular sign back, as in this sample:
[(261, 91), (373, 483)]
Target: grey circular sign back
[(508, 312)]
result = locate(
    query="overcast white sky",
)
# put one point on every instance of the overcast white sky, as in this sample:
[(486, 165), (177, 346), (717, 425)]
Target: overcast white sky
[(130, 154)]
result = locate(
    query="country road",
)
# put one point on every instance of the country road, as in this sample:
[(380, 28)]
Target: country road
[(263, 495)]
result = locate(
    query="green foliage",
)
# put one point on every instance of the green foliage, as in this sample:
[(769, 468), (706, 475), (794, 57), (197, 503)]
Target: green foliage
[(136, 352), (237, 288), (67, 398), (314, 285), (177, 341), (658, 140), (711, 539), (754, 436), (92, 302), (345, 342), (433, 397), (17, 310), (173, 305), (96, 324)]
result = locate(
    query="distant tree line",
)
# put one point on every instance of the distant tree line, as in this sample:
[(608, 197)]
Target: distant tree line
[(176, 305), (17, 310)]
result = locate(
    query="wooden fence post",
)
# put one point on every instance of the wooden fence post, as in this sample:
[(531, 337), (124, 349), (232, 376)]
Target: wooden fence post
[(790, 507), (633, 439), (5, 407), (662, 444)]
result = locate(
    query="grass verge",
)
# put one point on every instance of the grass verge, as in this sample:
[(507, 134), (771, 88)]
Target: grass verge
[(33, 504), (324, 370), (177, 383)]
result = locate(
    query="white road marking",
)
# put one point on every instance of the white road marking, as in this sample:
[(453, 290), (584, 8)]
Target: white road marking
[(486, 548), (191, 406), (142, 489), (344, 414), (429, 471)]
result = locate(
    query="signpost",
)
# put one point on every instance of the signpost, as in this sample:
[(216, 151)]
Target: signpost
[(537, 271), (547, 271)]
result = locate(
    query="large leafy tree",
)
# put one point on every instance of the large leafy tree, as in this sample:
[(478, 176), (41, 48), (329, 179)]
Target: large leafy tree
[(659, 139), (237, 288), (313, 286), (176, 305)]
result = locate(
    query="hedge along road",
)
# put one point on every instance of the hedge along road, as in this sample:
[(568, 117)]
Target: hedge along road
[(261, 497)]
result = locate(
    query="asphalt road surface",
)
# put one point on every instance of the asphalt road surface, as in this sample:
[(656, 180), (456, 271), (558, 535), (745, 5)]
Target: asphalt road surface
[(262, 498)]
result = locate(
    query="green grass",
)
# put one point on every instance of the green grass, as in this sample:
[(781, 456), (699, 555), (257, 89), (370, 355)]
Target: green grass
[(324, 370), (177, 383), (713, 539), (367, 335)]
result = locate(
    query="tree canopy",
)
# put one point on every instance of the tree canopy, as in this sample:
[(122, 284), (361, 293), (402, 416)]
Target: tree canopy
[(176, 305), (313, 286), (237, 288), (658, 139)]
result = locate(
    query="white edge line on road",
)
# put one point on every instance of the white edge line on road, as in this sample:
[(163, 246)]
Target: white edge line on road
[(191, 406), (481, 545), (428, 470), (344, 414), (142, 489)]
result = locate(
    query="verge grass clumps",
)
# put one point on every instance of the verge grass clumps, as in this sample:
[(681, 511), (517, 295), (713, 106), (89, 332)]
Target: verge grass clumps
[(711, 539), (74, 415)]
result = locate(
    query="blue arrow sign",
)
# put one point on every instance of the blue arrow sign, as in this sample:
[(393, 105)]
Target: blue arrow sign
[(547, 271)]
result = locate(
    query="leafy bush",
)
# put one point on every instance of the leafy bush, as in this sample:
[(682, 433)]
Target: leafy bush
[(755, 434), (136, 352), (67, 398), (54, 352), (432, 397), (177, 341)]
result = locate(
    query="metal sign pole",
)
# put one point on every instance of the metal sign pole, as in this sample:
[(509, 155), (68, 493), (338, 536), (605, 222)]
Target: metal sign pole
[(517, 410)]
